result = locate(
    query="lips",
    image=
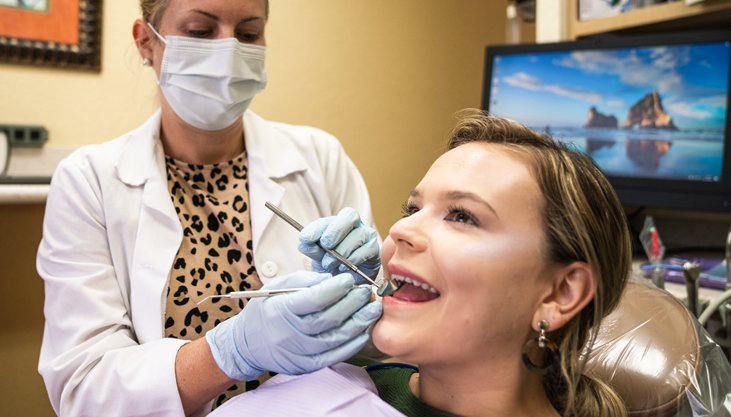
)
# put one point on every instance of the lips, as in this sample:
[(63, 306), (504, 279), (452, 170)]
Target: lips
[(413, 290)]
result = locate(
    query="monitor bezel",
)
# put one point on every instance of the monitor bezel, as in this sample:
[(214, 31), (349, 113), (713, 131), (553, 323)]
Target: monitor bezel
[(639, 191)]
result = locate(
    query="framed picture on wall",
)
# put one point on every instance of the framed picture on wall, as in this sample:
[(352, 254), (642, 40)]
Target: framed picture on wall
[(57, 33)]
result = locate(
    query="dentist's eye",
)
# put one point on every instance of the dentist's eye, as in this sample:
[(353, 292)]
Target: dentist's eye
[(407, 209), (460, 215), (248, 37), (199, 33)]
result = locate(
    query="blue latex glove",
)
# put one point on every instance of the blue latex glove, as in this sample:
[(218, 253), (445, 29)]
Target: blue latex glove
[(349, 237), (298, 332)]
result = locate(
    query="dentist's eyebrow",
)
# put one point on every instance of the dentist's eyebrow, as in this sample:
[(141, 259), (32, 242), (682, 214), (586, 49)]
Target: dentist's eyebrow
[(461, 195), (206, 14), (216, 18)]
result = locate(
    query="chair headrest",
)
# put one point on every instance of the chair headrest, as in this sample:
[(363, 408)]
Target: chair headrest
[(648, 351)]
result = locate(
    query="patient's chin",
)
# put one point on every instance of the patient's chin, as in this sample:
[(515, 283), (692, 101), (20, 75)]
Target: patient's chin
[(381, 338), (388, 339)]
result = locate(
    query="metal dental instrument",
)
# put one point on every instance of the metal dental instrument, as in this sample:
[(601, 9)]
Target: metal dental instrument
[(387, 288), (253, 294)]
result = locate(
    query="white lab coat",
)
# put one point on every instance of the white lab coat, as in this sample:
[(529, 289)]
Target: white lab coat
[(110, 236)]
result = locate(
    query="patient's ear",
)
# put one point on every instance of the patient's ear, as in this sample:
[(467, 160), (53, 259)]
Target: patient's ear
[(573, 288)]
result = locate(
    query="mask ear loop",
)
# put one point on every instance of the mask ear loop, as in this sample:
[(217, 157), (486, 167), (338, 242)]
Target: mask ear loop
[(158, 35), (157, 80)]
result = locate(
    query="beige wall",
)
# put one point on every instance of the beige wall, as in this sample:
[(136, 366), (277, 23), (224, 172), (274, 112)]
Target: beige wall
[(384, 76)]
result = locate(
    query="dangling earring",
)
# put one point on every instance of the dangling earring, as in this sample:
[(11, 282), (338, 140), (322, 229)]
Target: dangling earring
[(543, 343), (146, 62)]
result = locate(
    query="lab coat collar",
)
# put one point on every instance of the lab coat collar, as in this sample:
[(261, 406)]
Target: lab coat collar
[(137, 159), (262, 141), (271, 156), (276, 150)]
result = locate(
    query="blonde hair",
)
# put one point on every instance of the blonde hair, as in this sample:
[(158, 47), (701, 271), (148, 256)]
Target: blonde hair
[(152, 10), (583, 221)]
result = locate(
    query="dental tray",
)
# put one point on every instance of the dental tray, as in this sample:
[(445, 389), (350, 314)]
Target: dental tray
[(710, 270)]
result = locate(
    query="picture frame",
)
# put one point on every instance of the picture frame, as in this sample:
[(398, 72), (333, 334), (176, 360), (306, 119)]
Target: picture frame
[(58, 33)]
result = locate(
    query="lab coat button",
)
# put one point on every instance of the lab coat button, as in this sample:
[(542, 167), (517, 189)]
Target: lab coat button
[(269, 269)]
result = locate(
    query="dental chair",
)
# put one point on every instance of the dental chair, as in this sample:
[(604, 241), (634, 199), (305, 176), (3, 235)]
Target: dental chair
[(655, 355)]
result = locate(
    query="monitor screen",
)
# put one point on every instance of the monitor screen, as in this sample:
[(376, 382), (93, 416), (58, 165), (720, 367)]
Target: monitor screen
[(651, 111)]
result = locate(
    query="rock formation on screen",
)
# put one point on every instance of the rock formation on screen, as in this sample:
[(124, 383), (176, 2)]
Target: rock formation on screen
[(597, 119), (649, 114)]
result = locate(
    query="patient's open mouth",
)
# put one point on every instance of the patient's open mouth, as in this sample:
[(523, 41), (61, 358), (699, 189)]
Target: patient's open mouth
[(413, 290)]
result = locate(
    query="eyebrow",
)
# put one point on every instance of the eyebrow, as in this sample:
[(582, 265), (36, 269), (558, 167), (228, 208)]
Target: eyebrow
[(216, 18), (461, 195)]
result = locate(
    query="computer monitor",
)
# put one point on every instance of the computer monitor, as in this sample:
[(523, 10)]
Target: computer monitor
[(652, 111)]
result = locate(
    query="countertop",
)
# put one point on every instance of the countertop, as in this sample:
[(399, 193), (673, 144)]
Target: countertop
[(23, 193)]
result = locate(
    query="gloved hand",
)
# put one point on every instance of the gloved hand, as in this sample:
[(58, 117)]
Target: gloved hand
[(298, 332), (349, 237)]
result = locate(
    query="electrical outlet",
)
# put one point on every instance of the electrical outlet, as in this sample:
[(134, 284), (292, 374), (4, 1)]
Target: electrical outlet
[(25, 136)]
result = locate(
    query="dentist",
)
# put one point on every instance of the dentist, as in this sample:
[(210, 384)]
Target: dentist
[(140, 229)]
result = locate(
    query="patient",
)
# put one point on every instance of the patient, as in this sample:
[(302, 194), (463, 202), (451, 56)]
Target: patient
[(508, 233)]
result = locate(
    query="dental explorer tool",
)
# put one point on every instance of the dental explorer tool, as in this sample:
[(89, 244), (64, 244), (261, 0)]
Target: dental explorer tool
[(253, 294), (387, 288)]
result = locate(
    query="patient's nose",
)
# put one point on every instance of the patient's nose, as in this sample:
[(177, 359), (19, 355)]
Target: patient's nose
[(408, 233)]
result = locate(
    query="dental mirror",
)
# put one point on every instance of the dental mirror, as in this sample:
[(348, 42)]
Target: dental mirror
[(387, 288)]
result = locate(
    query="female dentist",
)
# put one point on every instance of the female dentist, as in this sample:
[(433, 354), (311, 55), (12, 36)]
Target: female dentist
[(140, 229)]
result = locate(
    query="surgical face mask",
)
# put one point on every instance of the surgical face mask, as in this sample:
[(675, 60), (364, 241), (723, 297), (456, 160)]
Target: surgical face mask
[(210, 83)]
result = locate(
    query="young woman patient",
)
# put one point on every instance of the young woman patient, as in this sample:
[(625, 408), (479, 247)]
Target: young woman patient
[(511, 250)]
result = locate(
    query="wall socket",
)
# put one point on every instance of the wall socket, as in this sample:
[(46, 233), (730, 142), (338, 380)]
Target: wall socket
[(24, 135)]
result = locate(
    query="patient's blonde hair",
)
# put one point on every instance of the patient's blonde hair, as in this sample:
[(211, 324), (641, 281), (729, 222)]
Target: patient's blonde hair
[(583, 221)]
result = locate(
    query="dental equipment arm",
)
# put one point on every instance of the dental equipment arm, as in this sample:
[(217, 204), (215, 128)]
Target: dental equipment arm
[(691, 271)]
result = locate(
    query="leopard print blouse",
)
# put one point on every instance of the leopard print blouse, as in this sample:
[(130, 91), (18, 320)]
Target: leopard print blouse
[(215, 256)]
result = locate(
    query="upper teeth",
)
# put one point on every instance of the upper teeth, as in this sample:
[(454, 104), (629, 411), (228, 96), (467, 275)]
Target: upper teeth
[(408, 280)]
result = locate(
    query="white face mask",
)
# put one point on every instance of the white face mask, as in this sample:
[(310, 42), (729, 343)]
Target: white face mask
[(210, 83)]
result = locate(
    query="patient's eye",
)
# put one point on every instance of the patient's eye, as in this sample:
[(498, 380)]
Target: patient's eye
[(407, 209), (460, 215)]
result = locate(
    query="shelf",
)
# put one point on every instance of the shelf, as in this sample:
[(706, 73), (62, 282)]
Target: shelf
[(665, 16)]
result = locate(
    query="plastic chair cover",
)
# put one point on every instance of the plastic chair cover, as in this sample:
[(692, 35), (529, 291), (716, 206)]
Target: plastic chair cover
[(659, 359)]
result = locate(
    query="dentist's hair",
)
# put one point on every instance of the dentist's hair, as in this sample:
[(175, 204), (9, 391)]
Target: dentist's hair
[(583, 220), (152, 10)]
